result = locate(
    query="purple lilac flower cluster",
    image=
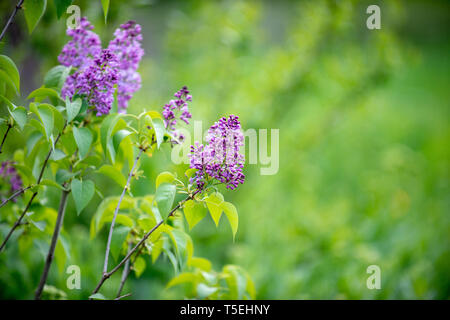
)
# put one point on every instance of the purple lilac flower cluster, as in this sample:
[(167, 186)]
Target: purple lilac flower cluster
[(7, 171), (96, 82), (177, 108), (127, 47), (98, 71), (84, 46), (220, 158)]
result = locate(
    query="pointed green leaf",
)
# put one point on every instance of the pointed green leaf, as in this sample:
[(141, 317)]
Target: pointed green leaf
[(82, 193), (114, 174), (19, 115), (73, 108), (97, 296), (61, 6), (83, 138), (204, 291), (213, 203), (34, 10), (165, 194), (139, 266), (164, 177), (56, 77), (118, 238), (230, 211), (160, 130), (105, 6), (194, 212), (11, 71), (42, 93)]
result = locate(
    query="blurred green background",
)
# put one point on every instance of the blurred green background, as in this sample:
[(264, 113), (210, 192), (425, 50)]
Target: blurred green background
[(364, 141)]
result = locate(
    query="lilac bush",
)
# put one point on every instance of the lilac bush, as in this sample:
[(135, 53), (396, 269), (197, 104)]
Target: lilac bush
[(76, 151)]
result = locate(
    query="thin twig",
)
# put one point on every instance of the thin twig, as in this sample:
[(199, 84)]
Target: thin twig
[(11, 18), (4, 137), (17, 223), (124, 296), (51, 251), (116, 211), (14, 195), (125, 273), (107, 275)]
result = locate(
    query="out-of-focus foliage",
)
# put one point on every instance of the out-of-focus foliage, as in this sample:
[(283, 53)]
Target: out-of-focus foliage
[(364, 157)]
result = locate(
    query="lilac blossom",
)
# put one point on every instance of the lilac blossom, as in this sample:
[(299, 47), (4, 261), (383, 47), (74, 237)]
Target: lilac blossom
[(177, 108), (99, 72), (7, 171), (95, 82), (127, 47), (219, 158), (83, 48)]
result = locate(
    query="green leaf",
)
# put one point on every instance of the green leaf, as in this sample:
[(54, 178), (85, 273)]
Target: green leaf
[(113, 173), (10, 70), (73, 108), (139, 266), (230, 211), (185, 277), (117, 138), (83, 138), (61, 6), (82, 193), (45, 115), (194, 212), (236, 280), (56, 77), (19, 115), (213, 202), (62, 175), (164, 197), (34, 10), (201, 263), (41, 93), (97, 296), (204, 291), (111, 124), (164, 177), (105, 6), (60, 256), (160, 130), (40, 225), (118, 238), (57, 154), (189, 173), (51, 183)]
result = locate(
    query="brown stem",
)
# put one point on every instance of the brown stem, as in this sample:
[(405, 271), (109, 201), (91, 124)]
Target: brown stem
[(14, 195), (11, 18), (4, 137), (124, 296), (125, 273), (116, 211), (51, 251), (107, 275), (17, 223)]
